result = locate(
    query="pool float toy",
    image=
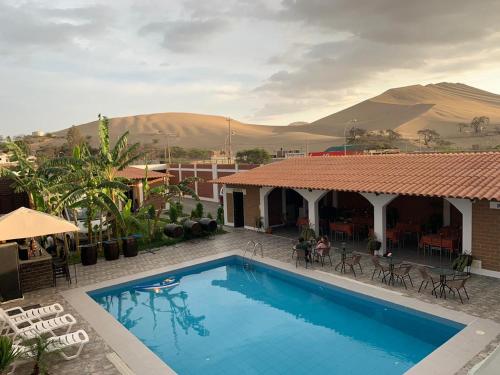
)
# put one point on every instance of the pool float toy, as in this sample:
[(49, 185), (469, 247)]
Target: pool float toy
[(167, 283)]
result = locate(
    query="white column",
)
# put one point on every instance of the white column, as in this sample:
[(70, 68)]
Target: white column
[(195, 173), (446, 213), (215, 187), (312, 197), (465, 207), (180, 173), (380, 202), (264, 204), (225, 202), (140, 189)]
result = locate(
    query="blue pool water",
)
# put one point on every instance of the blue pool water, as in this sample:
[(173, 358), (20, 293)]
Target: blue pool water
[(223, 318)]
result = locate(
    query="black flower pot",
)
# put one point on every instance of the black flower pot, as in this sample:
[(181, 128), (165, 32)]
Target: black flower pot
[(192, 228), (111, 250), (88, 254), (173, 230), (130, 247), (208, 225)]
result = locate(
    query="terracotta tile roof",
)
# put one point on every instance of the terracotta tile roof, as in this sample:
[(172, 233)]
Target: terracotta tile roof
[(133, 173), (459, 175)]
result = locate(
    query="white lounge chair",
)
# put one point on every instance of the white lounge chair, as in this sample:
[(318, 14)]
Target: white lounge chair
[(34, 329), (32, 314), (60, 343)]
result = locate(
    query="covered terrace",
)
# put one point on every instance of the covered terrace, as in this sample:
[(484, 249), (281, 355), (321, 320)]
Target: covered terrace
[(419, 202)]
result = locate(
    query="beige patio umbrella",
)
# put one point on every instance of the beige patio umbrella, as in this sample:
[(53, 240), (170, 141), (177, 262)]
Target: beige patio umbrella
[(25, 223)]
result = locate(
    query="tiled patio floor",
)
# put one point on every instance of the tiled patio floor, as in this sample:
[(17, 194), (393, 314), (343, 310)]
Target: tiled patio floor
[(484, 291)]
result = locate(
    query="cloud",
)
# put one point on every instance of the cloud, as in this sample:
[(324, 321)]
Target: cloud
[(184, 35), (36, 26), (399, 22), (381, 37)]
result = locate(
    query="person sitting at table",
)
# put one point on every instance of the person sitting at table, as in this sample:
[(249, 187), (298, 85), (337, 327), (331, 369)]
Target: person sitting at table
[(322, 245), (303, 245)]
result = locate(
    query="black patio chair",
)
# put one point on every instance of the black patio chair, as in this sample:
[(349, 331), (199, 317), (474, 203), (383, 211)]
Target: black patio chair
[(324, 253), (382, 269), (456, 285), (403, 272), (426, 278), (301, 254), (353, 261)]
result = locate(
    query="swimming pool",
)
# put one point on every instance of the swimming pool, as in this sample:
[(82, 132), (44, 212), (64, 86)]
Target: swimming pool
[(224, 318)]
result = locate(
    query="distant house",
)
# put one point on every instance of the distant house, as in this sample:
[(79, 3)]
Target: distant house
[(38, 133), (137, 177)]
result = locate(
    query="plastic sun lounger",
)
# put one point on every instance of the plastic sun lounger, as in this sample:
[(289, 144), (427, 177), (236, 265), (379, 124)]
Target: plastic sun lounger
[(38, 328), (34, 314), (60, 343)]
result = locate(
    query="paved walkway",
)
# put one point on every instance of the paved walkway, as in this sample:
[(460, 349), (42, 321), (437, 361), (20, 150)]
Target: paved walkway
[(484, 291)]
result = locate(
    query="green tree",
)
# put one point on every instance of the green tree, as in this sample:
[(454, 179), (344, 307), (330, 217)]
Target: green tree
[(354, 134), (428, 135), (253, 156), (87, 187), (478, 124)]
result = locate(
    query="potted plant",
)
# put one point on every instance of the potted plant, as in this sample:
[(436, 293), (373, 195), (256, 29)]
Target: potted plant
[(373, 245), (308, 233), (7, 354), (111, 249), (130, 225)]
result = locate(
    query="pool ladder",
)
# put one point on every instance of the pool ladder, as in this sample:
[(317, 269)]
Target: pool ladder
[(253, 247)]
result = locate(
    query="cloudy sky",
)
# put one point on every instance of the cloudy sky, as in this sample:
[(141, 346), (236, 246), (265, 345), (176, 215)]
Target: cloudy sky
[(262, 61)]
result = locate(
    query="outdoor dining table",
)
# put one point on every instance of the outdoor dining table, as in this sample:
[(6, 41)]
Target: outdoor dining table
[(438, 241), (390, 262), (343, 257), (443, 273), (345, 228)]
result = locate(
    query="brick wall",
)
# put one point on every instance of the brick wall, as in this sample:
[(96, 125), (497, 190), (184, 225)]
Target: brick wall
[(486, 235), (36, 275)]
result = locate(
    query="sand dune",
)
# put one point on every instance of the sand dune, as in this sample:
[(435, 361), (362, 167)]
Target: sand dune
[(203, 131), (406, 109)]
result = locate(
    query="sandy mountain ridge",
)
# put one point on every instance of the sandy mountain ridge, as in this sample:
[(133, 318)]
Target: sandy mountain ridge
[(405, 109)]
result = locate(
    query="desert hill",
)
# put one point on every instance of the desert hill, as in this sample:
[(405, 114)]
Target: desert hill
[(408, 109), (197, 130), (405, 109)]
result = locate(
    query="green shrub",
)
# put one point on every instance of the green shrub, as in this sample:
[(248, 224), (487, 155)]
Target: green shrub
[(220, 215), (179, 208), (209, 215), (7, 353), (199, 210), (173, 213)]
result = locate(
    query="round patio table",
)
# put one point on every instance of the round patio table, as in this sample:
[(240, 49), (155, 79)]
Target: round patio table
[(443, 273), (343, 256)]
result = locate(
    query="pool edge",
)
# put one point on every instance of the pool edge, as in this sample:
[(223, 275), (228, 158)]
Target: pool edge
[(446, 359)]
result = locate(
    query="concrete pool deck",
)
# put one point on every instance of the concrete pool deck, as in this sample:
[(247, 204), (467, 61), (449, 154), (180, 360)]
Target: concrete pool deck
[(447, 359), (484, 292)]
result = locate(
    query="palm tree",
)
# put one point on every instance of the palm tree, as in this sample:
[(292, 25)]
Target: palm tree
[(85, 187), (113, 159)]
